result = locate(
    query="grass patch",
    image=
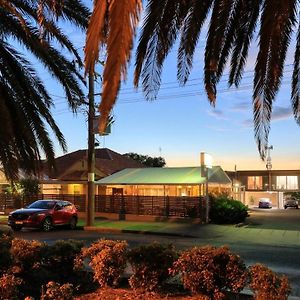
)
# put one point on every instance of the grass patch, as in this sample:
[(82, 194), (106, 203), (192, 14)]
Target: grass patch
[(129, 225), (3, 219)]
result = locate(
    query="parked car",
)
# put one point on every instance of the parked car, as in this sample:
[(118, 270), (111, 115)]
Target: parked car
[(290, 202), (264, 203), (44, 214)]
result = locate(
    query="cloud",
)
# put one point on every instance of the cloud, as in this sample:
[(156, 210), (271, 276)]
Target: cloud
[(247, 123), (217, 114), (242, 106), (281, 113)]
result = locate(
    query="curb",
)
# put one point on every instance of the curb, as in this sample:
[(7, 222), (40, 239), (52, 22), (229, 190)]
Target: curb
[(114, 230)]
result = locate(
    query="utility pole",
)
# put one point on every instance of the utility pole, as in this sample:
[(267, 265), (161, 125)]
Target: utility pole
[(206, 163), (90, 209)]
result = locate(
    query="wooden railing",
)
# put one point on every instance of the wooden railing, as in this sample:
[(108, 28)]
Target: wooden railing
[(168, 206)]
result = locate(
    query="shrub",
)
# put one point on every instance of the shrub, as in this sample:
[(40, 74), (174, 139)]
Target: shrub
[(108, 260), (60, 258), (9, 287), (150, 265), (56, 291), (225, 210), (26, 254), (5, 257), (267, 285), (210, 271)]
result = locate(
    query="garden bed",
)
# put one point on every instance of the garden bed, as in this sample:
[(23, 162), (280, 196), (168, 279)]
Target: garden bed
[(127, 293)]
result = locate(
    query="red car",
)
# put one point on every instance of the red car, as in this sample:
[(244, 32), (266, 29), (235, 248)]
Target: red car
[(44, 214)]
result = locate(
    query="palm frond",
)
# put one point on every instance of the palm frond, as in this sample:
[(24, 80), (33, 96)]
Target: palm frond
[(9, 7), (249, 14), (296, 81), (95, 36), (123, 20), (153, 15), (190, 32), (159, 45), (50, 28), (24, 101), (277, 21), (215, 40)]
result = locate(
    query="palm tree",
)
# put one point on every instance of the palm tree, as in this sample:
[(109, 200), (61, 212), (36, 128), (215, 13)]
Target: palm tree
[(24, 100), (231, 29)]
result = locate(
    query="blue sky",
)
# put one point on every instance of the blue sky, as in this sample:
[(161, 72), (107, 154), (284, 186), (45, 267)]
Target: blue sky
[(181, 123)]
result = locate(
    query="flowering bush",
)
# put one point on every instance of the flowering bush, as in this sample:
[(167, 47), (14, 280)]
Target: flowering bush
[(107, 258), (26, 254), (55, 291), (267, 285), (150, 265), (210, 271), (9, 287)]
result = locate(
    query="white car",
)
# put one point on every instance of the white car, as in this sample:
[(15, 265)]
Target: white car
[(290, 202), (264, 203)]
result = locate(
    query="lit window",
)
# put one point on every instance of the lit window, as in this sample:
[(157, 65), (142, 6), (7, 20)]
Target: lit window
[(255, 182), (292, 182), (287, 182)]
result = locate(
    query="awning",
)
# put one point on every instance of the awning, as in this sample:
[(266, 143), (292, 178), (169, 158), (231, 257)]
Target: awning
[(165, 176)]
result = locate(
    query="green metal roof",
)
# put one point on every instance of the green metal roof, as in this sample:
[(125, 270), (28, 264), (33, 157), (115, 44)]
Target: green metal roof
[(165, 176)]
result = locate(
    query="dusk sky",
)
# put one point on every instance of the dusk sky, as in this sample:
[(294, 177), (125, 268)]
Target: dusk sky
[(181, 123)]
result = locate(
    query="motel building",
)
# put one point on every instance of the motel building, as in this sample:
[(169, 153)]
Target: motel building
[(251, 185)]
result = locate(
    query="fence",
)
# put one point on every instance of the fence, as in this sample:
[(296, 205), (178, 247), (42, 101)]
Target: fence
[(169, 206)]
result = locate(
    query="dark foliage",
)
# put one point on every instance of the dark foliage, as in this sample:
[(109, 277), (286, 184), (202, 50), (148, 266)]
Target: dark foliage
[(225, 210), (148, 161), (25, 104)]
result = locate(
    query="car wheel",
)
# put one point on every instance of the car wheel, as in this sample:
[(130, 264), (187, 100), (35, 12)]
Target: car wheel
[(285, 207), (73, 223), (297, 207), (16, 228), (47, 224)]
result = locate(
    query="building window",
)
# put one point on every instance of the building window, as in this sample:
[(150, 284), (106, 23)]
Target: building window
[(255, 183), (287, 182)]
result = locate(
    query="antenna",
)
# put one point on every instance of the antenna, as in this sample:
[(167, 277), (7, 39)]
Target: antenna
[(269, 160), (269, 166)]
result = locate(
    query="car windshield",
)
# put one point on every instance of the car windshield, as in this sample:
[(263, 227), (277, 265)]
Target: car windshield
[(42, 204)]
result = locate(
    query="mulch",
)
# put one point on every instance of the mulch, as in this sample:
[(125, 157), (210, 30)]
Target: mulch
[(128, 294)]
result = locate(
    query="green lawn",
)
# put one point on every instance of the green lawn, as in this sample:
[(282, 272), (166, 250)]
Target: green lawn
[(138, 226), (3, 219)]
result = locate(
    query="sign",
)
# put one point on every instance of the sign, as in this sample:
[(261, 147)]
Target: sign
[(206, 160), (205, 163)]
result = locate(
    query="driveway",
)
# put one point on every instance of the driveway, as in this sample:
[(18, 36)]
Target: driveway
[(279, 219)]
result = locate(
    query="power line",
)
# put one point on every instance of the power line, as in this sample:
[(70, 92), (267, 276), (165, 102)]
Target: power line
[(180, 96), (163, 85)]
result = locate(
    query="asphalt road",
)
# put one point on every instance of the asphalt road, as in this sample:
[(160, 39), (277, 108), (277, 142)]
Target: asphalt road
[(281, 258)]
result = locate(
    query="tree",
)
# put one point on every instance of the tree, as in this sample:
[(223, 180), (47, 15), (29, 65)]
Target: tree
[(24, 100), (30, 186), (146, 160), (230, 33)]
